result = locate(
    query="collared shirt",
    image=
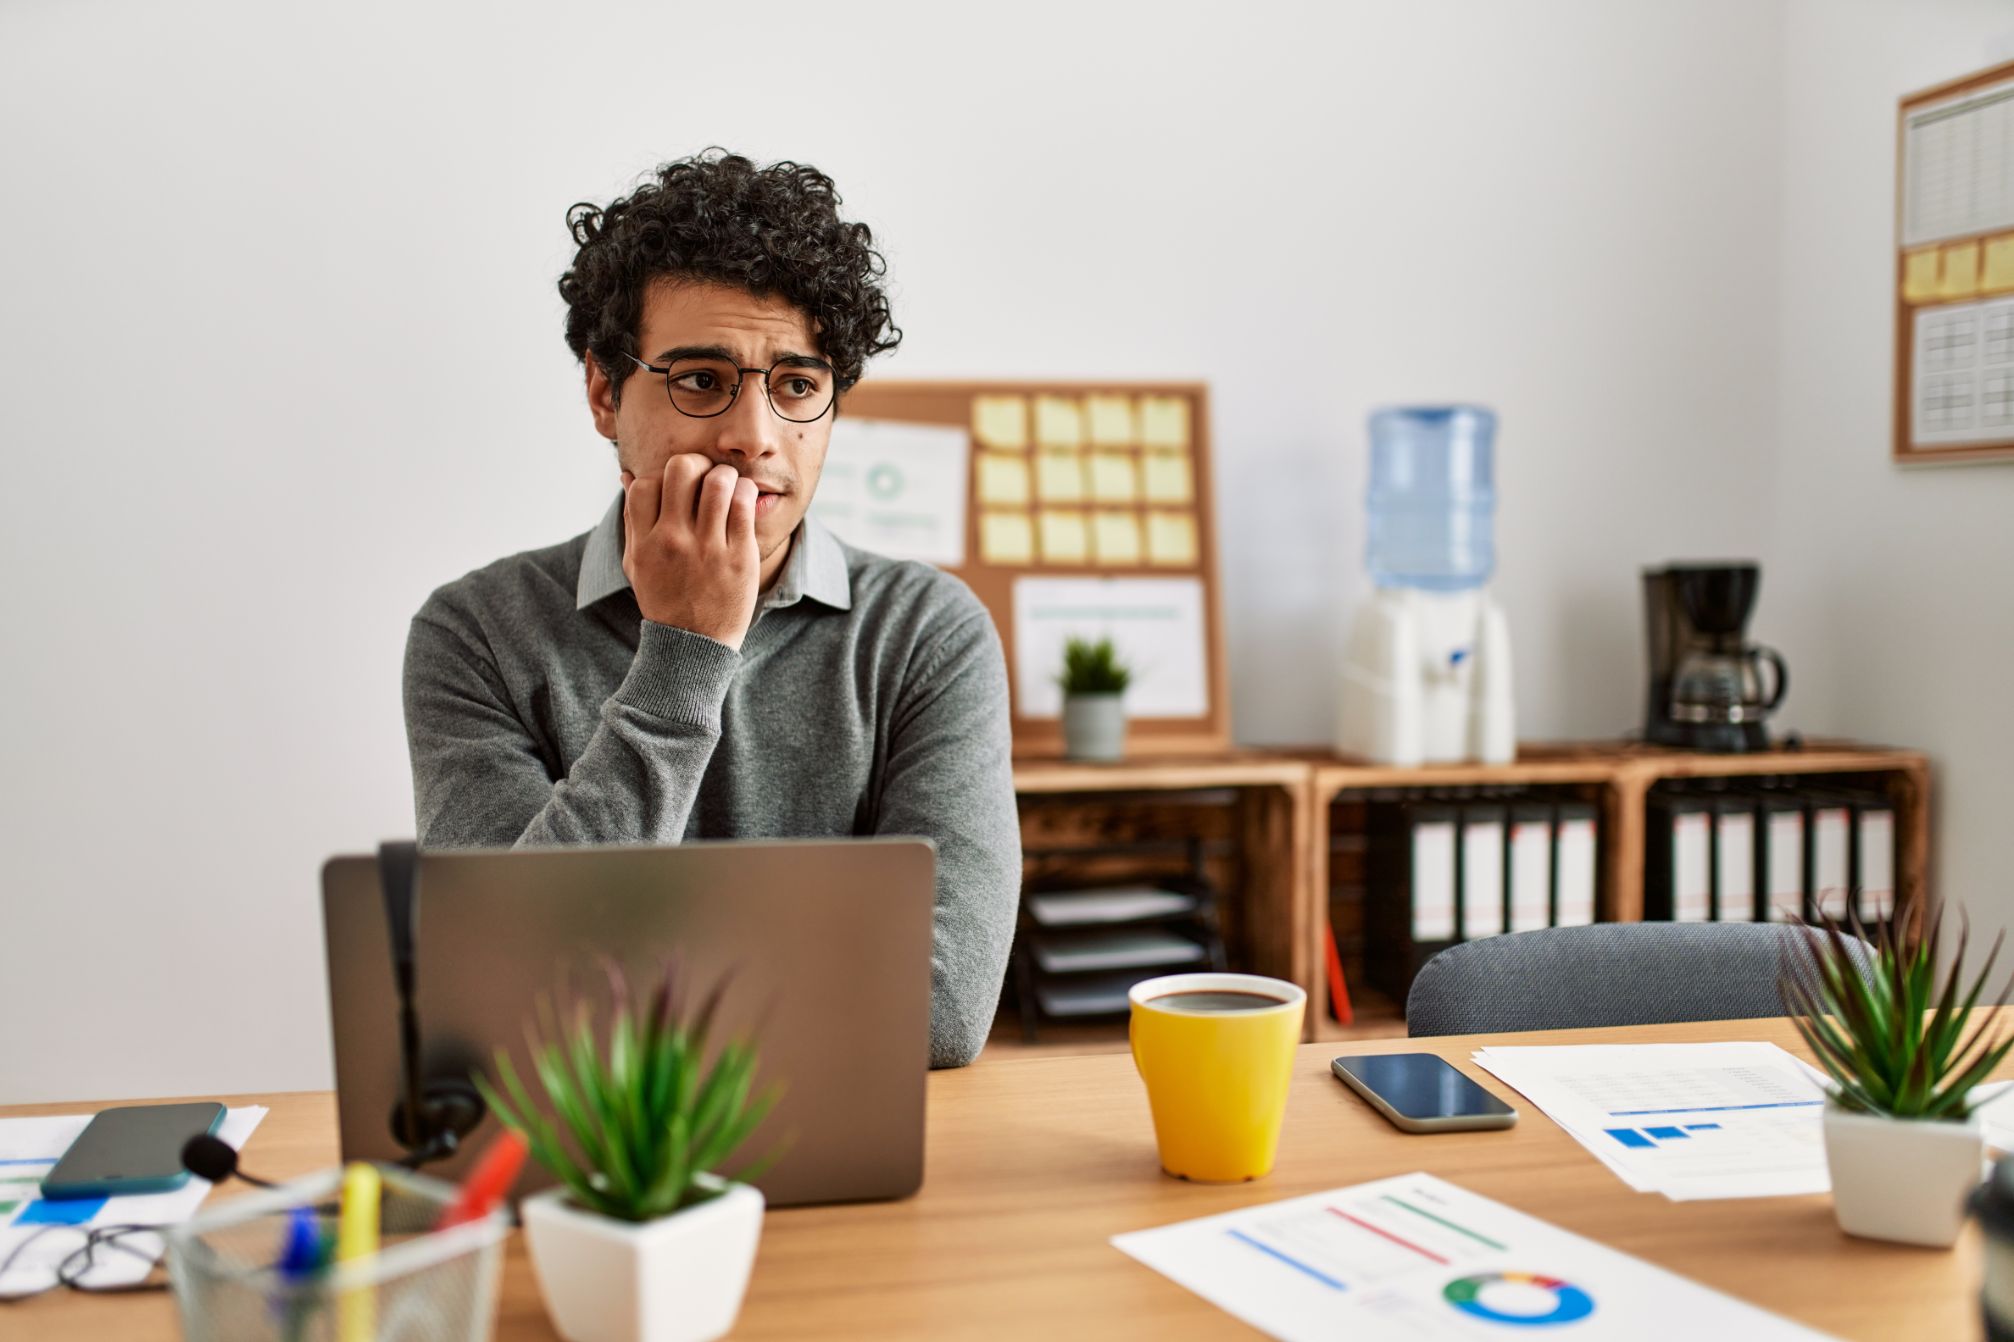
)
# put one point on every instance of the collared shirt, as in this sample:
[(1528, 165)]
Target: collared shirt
[(816, 567), (868, 697)]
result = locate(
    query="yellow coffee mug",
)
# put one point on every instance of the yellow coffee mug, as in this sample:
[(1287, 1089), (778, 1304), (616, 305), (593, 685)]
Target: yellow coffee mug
[(1216, 1069)]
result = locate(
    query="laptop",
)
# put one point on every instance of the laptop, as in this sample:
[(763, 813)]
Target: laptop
[(827, 943)]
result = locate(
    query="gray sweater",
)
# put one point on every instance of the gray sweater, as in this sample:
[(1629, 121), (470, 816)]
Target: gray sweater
[(870, 697)]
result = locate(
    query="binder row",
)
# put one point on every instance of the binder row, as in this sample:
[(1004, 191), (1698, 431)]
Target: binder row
[(1769, 851), (1445, 869)]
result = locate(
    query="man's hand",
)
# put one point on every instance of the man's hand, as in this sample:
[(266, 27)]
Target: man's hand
[(689, 547)]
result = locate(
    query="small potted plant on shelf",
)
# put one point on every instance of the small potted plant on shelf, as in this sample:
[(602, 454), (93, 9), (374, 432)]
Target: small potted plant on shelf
[(644, 1239), (1094, 684), (1901, 1138)]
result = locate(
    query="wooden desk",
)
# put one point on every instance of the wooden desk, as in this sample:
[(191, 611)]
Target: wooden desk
[(1034, 1164)]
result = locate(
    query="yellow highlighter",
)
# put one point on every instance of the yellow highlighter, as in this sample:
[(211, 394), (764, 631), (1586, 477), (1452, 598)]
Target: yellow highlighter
[(357, 1238)]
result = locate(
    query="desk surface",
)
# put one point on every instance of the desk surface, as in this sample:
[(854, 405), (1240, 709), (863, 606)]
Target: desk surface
[(1035, 1163)]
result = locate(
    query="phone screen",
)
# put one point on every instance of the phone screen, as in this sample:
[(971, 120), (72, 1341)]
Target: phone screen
[(1420, 1085), (135, 1148)]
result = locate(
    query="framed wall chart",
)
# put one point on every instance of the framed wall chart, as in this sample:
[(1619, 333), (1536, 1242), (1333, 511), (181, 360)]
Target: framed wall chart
[(1954, 271)]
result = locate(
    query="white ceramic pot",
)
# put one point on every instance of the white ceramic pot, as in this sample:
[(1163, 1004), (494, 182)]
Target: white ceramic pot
[(676, 1279), (1902, 1179), (1094, 726)]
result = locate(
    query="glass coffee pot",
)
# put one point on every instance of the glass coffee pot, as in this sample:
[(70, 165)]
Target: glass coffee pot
[(1727, 684)]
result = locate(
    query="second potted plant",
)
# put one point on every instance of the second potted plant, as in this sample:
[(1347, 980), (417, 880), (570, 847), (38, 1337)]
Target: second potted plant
[(1094, 684), (1901, 1140), (644, 1240)]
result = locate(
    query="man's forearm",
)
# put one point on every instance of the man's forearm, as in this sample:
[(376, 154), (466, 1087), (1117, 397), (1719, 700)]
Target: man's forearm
[(479, 780), (951, 779)]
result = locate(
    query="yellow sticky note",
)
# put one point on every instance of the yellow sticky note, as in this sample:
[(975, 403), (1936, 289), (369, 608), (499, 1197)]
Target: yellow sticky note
[(1001, 422), (1002, 479), (1115, 538), (1113, 478), (1058, 422), (1919, 276), (1063, 538), (1164, 421), (1961, 271), (1059, 477), (1167, 477), (1997, 267), (1006, 538), (1110, 421), (1171, 539)]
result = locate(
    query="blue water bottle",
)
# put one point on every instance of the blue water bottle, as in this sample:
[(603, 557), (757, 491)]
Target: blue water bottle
[(1432, 499)]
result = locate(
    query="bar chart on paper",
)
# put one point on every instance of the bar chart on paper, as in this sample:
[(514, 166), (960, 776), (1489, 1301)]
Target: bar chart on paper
[(1691, 1121), (1416, 1257)]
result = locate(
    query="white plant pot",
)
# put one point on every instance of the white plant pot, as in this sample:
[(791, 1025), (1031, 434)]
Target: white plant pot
[(677, 1279), (1094, 726), (1902, 1179)]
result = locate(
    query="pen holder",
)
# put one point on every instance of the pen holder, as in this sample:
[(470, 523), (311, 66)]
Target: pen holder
[(421, 1283)]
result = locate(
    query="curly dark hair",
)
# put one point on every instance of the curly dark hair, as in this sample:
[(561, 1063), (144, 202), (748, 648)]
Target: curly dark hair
[(717, 216)]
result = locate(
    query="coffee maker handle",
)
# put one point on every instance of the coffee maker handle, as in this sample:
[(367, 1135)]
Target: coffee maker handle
[(1782, 677)]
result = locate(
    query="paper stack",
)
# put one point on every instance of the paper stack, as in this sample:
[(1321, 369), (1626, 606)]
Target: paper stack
[(1690, 1121)]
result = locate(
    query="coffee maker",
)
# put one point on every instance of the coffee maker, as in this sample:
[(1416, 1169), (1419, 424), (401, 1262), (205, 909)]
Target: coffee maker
[(1708, 690)]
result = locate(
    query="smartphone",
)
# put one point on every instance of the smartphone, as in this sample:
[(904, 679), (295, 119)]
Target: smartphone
[(1419, 1092), (134, 1149)]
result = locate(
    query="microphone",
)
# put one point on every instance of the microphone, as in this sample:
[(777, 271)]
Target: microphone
[(208, 1156)]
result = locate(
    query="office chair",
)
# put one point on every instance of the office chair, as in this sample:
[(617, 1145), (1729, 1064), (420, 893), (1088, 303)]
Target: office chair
[(1607, 974)]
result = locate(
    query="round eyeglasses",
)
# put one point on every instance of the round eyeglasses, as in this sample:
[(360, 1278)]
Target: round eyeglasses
[(797, 389)]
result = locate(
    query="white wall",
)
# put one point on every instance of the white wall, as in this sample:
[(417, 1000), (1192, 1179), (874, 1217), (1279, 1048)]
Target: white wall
[(1889, 586), (282, 353)]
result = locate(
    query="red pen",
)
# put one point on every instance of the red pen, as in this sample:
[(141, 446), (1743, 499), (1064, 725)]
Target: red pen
[(495, 1171)]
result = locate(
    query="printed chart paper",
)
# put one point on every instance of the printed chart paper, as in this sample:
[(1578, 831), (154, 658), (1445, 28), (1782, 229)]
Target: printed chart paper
[(29, 1149), (1156, 625), (897, 489), (1994, 1103), (1418, 1258), (1691, 1121), (1956, 176), (1964, 373)]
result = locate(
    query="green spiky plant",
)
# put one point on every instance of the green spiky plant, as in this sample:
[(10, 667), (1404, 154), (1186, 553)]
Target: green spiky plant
[(636, 1113), (1093, 668), (1893, 1038)]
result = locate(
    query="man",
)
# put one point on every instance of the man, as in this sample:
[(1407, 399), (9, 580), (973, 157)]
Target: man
[(710, 662)]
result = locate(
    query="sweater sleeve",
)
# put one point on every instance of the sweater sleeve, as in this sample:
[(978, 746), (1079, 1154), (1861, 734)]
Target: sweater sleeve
[(479, 779), (950, 779)]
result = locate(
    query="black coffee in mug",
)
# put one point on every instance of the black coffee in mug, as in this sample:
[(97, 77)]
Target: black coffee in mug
[(1215, 1001)]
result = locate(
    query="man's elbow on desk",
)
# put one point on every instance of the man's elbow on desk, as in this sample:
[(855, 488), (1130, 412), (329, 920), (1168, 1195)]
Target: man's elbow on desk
[(958, 1031)]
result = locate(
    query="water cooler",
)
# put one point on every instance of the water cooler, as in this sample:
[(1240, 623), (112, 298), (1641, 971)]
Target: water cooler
[(1426, 676)]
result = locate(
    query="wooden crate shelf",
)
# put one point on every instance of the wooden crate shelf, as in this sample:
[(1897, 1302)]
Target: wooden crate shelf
[(1618, 776), (1279, 836), (1269, 832)]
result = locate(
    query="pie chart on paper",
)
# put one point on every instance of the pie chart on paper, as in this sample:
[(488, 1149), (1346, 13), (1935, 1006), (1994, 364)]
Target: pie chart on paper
[(1520, 1299)]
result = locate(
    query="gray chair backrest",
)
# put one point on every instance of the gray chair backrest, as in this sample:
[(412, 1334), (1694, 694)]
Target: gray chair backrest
[(1607, 974)]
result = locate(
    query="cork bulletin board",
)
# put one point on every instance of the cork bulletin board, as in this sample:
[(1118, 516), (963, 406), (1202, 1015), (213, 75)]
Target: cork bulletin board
[(1954, 275), (1068, 508)]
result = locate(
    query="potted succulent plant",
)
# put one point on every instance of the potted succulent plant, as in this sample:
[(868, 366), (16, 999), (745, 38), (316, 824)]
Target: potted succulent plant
[(645, 1239), (1094, 684), (1901, 1139)]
